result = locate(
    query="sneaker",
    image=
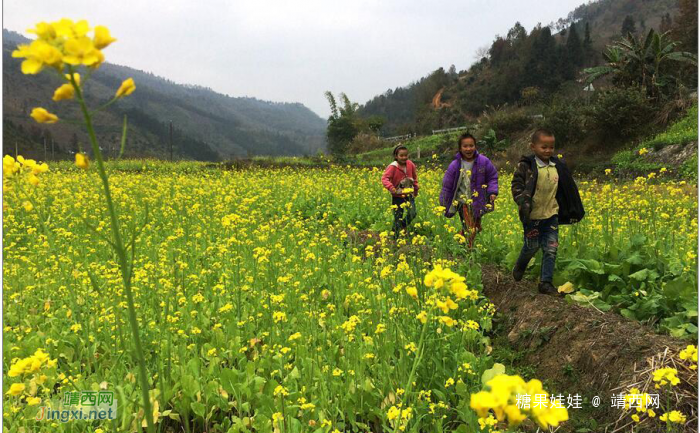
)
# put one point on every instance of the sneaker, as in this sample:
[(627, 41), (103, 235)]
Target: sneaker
[(518, 273), (546, 288)]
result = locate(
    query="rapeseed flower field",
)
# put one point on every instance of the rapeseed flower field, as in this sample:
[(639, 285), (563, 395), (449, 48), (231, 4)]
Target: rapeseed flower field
[(258, 304), (276, 300)]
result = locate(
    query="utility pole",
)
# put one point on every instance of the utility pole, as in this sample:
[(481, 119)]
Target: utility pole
[(171, 141)]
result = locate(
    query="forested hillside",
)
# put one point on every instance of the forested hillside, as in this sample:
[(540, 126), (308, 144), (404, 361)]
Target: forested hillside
[(529, 66), (206, 125)]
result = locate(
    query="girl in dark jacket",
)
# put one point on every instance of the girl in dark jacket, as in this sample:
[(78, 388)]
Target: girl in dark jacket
[(469, 187)]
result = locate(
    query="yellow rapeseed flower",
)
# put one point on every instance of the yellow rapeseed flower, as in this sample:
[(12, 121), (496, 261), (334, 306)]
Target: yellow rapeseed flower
[(16, 389), (82, 160), (66, 91), (82, 51), (102, 37), (673, 416), (38, 55), (76, 77), (666, 375), (127, 88), (42, 116), (689, 353)]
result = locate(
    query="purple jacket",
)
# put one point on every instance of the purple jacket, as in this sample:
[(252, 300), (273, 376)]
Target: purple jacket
[(484, 180)]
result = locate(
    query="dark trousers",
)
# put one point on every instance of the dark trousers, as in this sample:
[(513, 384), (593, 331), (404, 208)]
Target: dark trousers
[(403, 217), (542, 234)]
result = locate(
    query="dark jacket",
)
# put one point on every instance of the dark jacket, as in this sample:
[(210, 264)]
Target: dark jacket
[(523, 189), (484, 180)]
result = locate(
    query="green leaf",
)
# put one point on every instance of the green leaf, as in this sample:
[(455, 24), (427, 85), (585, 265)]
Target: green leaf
[(295, 425), (635, 259), (588, 298), (230, 380), (189, 385), (642, 275), (492, 372), (679, 289), (628, 314), (294, 374), (461, 389), (638, 240), (198, 408)]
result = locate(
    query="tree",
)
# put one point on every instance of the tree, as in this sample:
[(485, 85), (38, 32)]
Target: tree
[(666, 23), (342, 124), (452, 72), (498, 51), (574, 48), (542, 61), (628, 26), (685, 28), (516, 33), (587, 45), (650, 63), (375, 123), (482, 53)]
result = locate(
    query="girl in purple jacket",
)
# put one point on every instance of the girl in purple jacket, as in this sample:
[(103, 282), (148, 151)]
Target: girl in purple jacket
[(470, 187)]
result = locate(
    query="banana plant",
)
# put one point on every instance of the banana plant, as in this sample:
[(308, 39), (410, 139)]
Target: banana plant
[(642, 62)]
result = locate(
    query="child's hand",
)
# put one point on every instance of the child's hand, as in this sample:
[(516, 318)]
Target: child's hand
[(393, 190), (492, 198)]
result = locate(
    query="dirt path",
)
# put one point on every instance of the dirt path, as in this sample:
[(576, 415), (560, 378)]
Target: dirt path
[(585, 351)]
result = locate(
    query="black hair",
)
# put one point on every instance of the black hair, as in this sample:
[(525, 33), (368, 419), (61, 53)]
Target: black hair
[(539, 133), (464, 136), (399, 147)]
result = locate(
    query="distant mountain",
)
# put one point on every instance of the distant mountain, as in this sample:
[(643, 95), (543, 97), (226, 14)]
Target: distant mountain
[(519, 65), (206, 125)]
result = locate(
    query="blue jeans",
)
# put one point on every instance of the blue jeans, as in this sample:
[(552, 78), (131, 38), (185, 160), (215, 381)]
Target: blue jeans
[(540, 234)]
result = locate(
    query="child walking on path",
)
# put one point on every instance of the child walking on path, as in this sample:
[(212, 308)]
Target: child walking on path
[(546, 195), (469, 187), (401, 180)]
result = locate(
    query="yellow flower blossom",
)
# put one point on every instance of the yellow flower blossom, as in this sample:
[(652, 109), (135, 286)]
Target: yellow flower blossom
[(127, 88), (42, 116), (65, 91), (82, 161)]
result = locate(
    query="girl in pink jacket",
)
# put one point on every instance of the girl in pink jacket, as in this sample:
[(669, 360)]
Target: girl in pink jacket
[(402, 182)]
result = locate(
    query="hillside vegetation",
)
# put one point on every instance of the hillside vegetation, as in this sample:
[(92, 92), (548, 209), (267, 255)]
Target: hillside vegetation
[(637, 56), (206, 125)]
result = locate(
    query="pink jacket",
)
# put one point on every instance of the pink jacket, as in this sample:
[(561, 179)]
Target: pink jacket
[(393, 175)]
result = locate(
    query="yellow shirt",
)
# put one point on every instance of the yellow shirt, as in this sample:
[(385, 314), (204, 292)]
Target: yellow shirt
[(544, 202)]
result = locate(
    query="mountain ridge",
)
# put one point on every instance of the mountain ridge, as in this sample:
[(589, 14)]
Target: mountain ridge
[(210, 125), (492, 81)]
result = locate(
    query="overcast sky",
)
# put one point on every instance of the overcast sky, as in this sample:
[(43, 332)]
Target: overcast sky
[(293, 51)]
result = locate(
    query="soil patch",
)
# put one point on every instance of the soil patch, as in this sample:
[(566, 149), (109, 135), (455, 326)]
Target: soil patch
[(585, 351)]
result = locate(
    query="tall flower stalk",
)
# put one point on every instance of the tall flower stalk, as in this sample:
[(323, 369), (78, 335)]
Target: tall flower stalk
[(63, 46)]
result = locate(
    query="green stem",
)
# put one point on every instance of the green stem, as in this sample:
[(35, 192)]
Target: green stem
[(416, 361), (121, 255)]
